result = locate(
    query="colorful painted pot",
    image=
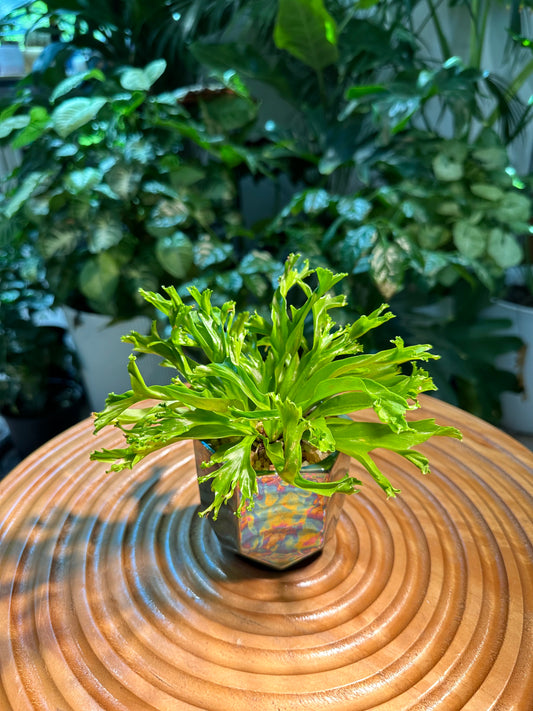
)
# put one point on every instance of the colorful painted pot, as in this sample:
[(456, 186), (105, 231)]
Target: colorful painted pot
[(287, 524)]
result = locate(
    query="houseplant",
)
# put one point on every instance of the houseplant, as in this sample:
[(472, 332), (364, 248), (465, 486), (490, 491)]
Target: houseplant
[(273, 393), (41, 392), (379, 183), (122, 188)]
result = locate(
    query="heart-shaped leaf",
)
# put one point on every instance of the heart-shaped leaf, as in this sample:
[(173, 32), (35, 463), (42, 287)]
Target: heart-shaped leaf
[(74, 113), (175, 254)]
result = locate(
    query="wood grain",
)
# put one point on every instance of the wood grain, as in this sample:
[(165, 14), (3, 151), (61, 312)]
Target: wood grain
[(114, 595)]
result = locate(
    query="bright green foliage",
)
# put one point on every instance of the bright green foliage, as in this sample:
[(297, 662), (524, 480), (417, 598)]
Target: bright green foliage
[(274, 383)]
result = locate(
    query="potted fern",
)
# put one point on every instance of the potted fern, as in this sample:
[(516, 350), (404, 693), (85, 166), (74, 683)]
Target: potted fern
[(266, 404)]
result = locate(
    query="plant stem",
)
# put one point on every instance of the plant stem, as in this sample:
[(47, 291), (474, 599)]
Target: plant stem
[(321, 87), (477, 32), (444, 46)]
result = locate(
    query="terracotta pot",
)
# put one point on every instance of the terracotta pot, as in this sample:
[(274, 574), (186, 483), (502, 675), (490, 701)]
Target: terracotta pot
[(286, 525)]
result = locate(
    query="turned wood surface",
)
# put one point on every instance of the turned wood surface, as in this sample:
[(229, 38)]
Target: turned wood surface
[(115, 595)]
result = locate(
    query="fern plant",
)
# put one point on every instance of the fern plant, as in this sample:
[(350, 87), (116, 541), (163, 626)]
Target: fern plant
[(272, 388)]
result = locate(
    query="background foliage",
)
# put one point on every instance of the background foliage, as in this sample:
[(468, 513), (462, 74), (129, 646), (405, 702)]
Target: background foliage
[(363, 149)]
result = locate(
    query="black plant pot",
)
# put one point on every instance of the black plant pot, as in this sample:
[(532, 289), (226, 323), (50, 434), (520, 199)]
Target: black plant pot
[(30, 432)]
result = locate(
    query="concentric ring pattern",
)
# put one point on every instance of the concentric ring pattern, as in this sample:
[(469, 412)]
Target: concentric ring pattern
[(115, 595)]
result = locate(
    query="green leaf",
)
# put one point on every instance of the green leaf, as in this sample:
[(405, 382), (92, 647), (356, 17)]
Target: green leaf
[(373, 435), (39, 122), (320, 435), (354, 209), (447, 168), (514, 207), (432, 236), (25, 191), (166, 216), (98, 280), (316, 200), (154, 70), (355, 92), (228, 113), (357, 439), (487, 192), (504, 248), (234, 469), (306, 30), (493, 158), (123, 180), (388, 268), (59, 242), (229, 283), (74, 113), (74, 81), (13, 123), (79, 180), (106, 232), (175, 254), (469, 239), (135, 79), (185, 175), (209, 251)]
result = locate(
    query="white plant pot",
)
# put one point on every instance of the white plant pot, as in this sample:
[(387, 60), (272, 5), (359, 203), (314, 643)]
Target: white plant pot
[(517, 408), (104, 357)]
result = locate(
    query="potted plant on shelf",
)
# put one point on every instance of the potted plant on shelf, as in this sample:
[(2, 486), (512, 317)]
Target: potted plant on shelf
[(41, 392), (267, 409)]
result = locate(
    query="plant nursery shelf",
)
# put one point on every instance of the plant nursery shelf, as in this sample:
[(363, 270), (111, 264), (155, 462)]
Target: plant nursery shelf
[(116, 596)]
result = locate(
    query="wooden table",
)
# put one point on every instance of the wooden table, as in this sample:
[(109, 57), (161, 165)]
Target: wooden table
[(115, 595)]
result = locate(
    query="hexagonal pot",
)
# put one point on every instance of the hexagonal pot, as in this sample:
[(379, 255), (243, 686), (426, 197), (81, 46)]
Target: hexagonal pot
[(287, 524)]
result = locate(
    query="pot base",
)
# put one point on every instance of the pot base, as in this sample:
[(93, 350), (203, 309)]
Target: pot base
[(286, 525)]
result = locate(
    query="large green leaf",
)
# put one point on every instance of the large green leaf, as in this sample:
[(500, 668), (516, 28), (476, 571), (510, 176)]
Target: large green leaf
[(76, 112), (85, 179), (515, 207), (228, 113), (306, 30), (135, 79), (98, 280), (106, 232), (209, 251), (469, 239), (504, 248), (39, 122), (447, 168), (246, 59), (166, 216), (234, 467), (25, 191), (123, 180), (13, 123), (175, 254), (59, 241), (388, 267), (487, 192), (74, 81)]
